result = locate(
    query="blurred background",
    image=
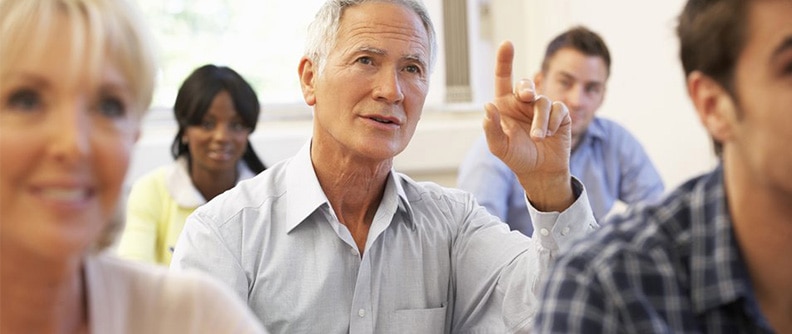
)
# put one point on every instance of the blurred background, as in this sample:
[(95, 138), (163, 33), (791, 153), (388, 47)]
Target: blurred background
[(263, 40)]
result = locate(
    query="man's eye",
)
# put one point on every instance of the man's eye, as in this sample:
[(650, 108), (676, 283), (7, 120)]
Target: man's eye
[(365, 60), (112, 107), (593, 89), (413, 69), (24, 100)]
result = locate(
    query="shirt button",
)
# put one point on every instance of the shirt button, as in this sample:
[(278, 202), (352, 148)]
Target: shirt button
[(544, 232), (361, 313), (564, 231)]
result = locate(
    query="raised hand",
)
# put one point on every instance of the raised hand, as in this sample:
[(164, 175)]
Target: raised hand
[(532, 135)]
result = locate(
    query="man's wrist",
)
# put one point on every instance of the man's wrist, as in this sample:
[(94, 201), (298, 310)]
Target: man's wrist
[(550, 193)]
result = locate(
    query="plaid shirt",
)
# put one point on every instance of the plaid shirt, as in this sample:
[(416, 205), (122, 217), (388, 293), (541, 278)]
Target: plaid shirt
[(674, 267)]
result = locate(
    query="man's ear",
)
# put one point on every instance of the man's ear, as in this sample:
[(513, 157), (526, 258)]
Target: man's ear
[(308, 74), (715, 107)]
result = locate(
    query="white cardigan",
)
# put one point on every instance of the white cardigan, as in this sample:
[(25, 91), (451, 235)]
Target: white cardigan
[(127, 297)]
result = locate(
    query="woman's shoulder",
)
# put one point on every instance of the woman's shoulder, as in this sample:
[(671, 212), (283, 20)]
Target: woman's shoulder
[(155, 177), (169, 301)]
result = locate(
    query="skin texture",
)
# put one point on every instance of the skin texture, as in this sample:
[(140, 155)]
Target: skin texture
[(65, 143), (216, 145), (755, 128), (578, 81)]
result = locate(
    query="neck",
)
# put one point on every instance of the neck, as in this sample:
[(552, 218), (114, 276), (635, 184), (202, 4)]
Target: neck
[(210, 184), (39, 295), (760, 212), (354, 186)]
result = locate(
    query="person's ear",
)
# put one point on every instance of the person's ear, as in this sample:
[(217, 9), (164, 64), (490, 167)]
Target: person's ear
[(715, 107), (308, 74)]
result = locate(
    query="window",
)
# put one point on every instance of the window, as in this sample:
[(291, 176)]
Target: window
[(263, 40)]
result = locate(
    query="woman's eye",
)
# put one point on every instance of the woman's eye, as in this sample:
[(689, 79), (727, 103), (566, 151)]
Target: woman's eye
[(787, 69), (112, 107), (207, 125), (24, 99), (237, 127)]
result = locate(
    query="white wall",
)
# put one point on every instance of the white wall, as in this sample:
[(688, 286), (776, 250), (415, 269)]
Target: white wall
[(646, 91)]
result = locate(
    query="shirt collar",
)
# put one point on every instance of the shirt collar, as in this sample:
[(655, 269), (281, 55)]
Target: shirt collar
[(404, 202), (595, 130), (718, 273), (305, 195), (180, 186)]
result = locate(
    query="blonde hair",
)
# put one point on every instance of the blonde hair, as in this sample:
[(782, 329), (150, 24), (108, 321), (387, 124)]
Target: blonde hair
[(100, 30)]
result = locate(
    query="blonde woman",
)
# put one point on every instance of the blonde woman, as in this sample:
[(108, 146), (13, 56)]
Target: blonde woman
[(76, 77)]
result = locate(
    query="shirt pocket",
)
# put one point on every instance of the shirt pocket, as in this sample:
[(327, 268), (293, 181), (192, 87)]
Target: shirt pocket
[(418, 321)]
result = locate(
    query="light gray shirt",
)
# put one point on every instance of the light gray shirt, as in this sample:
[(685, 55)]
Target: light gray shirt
[(434, 262)]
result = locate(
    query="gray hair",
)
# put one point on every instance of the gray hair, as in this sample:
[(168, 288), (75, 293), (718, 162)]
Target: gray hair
[(323, 31)]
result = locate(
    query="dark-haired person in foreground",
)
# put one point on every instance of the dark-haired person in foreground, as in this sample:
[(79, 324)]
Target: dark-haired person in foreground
[(716, 255)]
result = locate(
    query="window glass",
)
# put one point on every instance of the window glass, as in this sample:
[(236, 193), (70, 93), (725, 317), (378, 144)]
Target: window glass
[(263, 40)]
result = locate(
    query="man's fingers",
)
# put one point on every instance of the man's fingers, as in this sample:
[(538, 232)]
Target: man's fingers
[(525, 91), (503, 69), (492, 129), (541, 117), (558, 115)]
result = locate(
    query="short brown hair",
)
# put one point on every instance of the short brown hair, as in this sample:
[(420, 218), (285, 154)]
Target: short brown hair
[(581, 39), (712, 34)]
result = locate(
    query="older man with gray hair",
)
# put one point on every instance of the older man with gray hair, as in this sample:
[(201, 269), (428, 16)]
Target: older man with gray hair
[(334, 240)]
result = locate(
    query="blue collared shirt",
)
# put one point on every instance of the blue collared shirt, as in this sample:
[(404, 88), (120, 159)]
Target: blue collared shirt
[(434, 261), (609, 161), (671, 268)]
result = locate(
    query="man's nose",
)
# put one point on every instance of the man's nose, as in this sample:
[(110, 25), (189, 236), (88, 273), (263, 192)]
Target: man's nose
[(388, 87)]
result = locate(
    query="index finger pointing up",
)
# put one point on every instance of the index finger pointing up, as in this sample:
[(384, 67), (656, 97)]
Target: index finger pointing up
[(503, 69)]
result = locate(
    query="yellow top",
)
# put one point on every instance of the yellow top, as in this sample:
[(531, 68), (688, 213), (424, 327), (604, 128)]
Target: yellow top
[(158, 205)]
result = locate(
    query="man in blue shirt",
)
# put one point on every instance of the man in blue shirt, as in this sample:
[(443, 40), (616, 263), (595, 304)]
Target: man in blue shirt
[(716, 255), (605, 156)]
